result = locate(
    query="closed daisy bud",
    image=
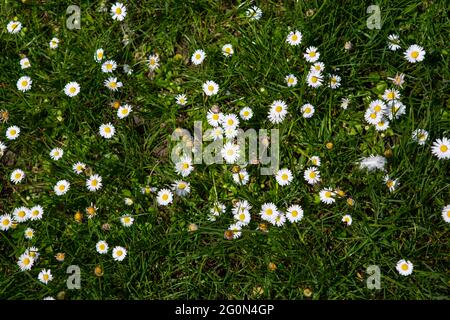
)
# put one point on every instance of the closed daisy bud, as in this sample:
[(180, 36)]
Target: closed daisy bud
[(60, 256), (228, 234), (106, 227), (350, 202), (78, 216), (192, 227), (98, 271), (307, 292), (272, 266), (329, 145)]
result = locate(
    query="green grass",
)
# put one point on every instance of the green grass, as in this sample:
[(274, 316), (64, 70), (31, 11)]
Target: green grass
[(164, 260)]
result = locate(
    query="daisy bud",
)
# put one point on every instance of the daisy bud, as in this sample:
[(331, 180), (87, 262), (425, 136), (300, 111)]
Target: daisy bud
[(348, 45), (192, 227), (106, 227), (310, 12), (263, 227), (60, 256), (272, 266), (388, 153), (61, 295), (98, 271), (329, 145), (78, 216), (350, 202), (307, 292), (228, 234), (215, 108), (258, 291), (115, 104)]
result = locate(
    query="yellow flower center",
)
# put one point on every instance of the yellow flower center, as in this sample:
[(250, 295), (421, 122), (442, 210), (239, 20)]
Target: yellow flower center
[(21, 214), (373, 115), (124, 111), (127, 219), (113, 84), (227, 49), (294, 37), (328, 194), (165, 197), (118, 11), (24, 83), (284, 176), (100, 55), (198, 56), (17, 175), (405, 267), (61, 187), (108, 130), (26, 261), (415, 54), (101, 247), (246, 113), (448, 213), (72, 90), (230, 152), (314, 79), (278, 109), (119, 253), (5, 222), (308, 110), (291, 80), (210, 88), (13, 132), (242, 217), (94, 183), (312, 174), (269, 212), (294, 213), (215, 116), (45, 277), (377, 108), (182, 186), (185, 165), (443, 148), (312, 54), (230, 122), (391, 95)]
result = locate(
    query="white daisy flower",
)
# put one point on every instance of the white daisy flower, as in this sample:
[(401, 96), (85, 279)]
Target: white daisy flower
[(307, 110), (398, 80), (25, 262), (61, 187), (294, 213), (78, 167), (347, 219), (181, 188), (36, 213), (128, 201), (198, 56), (24, 83), (344, 103), (335, 81), (254, 13), (216, 133), (181, 99), (269, 212), (5, 222), (373, 163), (230, 133), (311, 55), (277, 112), (94, 183), (291, 80), (2, 149), (396, 110), (217, 209), (315, 160), (112, 84), (327, 196), (213, 118), (153, 62), (56, 153), (391, 95), (312, 175), (109, 66), (294, 38), (241, 178), (21, 214), (390, 183), (414, 53), (236, 229), (246, 113), (25, 63), (98, 56), (420, 136), (382, 125), (127, 69), (445, 213), (107, 130), (242, 217), (29, 233), (314, 79), (229, 121), (54, 43), (33, 252), (164, 197), (284, 177), (118, 11), (318, 67), (441, 148), (230, 152), (17, 176), (14, 27), (12, 133), (102, 247), (124, 111), (241, 206), (372, 117), (210, 88), (119, 253), (227, 50), (393, 42), (279, 220), (405, 268), (184, 167), (72, 89), (126, 220)]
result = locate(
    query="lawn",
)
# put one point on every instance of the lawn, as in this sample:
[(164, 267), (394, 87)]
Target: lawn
[(175, 247)]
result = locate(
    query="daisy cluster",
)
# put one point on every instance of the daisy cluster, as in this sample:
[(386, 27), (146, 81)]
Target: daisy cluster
[(241, 215)]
